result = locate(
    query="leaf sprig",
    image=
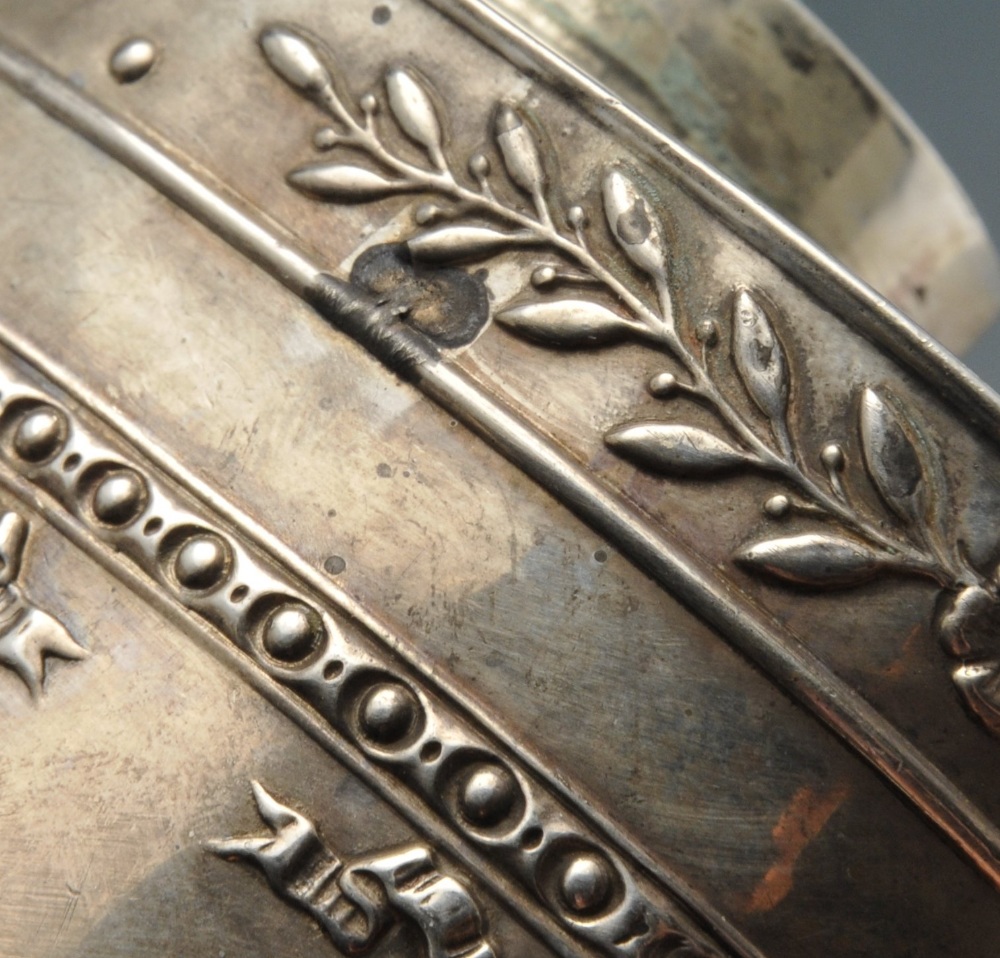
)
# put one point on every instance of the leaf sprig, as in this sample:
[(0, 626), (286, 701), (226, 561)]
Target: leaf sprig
[(635, 303), (573, 321), (479, 226)]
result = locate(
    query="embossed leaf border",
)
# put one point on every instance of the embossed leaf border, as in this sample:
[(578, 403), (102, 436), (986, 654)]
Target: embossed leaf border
[(470, 223)]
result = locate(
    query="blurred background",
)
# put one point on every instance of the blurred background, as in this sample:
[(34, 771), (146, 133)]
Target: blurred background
[(941, 61)]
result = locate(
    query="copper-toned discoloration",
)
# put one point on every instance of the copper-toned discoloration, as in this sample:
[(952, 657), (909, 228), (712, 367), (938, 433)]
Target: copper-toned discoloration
[(901, 666), (804, 818)]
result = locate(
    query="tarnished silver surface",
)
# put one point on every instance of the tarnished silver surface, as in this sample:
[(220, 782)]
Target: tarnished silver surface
[(764, 92), (445, 516)]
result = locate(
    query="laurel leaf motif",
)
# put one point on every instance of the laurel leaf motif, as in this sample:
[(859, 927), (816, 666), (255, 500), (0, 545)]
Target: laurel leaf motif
[(567, 322), (520, 152), (634, 225), (759, 358), (450, 244), (343, 182), (675, 450), (892, 454), (813, 559), (294, 58), (413, 109)]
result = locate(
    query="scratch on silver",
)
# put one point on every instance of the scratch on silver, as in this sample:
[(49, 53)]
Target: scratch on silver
[(339, 896)]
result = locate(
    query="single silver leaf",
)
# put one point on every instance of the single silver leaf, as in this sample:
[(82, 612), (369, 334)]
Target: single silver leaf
[(891, 455), (675, 450), (294, 58), (813, 559), (338, 181), (413, 109), (520, 152), (453, 243), (759, 357), (567, 322), (634, 224)]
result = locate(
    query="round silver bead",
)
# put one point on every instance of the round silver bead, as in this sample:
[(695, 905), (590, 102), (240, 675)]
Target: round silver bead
[(291, 632), (778, 506), (832, 456), (586, 884), (488, 795), (543, 276), (388, 713), (120, 497), (663, 385), (427, 213), (576, 216), (707, 332), (132, 60), (326, 138), (479, 165), (202, 562), (40, 434)]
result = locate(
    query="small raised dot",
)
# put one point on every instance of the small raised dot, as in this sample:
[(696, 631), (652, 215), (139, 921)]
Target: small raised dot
[(335, 565), (488, 795), (152, 527), (72, 461), (663, 385), (777, 507), (832, 457), (132, 60), (427, 213), (479, 165), (239, 593), (291, 632), (381, 15), (532, 838), (600, 556), (431, 752), (120, 497), (40, 434), (325, 138), (707, 332), (576, 216), (543, 276), (388, 713), (586, 884), (201, 562), (333, 670)]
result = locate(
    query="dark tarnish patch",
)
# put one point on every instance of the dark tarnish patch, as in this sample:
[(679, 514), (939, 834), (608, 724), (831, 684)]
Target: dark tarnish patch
[(797, 46), (763, 354), (447, 305), (802, 50), (633, 226)]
